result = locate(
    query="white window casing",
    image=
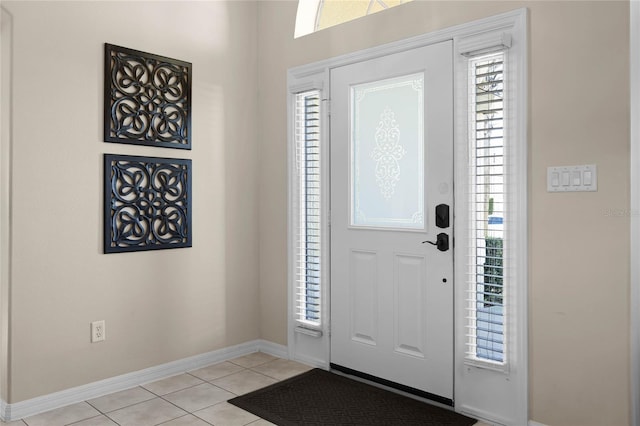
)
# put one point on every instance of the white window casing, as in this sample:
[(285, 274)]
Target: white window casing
[(308, 212), (495, 390), (491, 222)]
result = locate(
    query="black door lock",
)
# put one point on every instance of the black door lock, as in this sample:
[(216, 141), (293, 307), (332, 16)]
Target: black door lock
[(442, 242), (442, 216)]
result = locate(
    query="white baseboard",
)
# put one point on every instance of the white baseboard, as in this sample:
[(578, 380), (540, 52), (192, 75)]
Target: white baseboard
[(481, 415), (532, 423), (30, 407), (3, 409), (314, 362), (274, 349)]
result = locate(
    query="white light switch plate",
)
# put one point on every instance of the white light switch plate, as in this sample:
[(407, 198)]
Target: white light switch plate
[(572, 178)]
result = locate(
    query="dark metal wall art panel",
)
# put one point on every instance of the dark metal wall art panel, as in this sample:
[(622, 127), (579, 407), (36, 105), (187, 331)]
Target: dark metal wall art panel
[(147, 203), (147, 99)]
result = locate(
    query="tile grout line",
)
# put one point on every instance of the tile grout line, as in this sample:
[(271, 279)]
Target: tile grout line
[(162, 397), (193, 413)]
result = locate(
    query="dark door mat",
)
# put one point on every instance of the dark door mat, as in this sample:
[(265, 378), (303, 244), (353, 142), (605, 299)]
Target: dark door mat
[(321, 398)]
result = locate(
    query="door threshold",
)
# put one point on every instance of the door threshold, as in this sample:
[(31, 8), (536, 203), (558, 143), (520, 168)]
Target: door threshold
[(447, 402)]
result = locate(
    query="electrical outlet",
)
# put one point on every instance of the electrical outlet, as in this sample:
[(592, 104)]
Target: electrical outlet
[(98, 331)]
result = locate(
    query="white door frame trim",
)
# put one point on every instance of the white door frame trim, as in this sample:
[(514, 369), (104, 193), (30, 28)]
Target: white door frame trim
[(314, 349), (634, 45)]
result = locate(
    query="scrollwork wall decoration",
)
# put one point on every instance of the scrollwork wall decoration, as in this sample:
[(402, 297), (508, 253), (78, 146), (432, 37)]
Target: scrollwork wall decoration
[(147, 99), (147, 203)]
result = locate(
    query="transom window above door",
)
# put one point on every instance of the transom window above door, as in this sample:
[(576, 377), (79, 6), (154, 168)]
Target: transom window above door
[(314, 15)]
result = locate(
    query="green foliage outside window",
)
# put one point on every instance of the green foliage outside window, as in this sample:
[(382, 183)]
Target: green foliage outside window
[(493, 269)]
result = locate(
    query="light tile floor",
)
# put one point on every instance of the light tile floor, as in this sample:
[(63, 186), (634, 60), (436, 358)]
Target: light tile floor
[(194, 398)]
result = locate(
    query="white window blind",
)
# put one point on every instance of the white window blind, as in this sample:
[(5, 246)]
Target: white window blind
[(487, 286), (308, 210)]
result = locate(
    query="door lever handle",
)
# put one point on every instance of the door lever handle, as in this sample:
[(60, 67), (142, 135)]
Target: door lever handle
[(442, 242)]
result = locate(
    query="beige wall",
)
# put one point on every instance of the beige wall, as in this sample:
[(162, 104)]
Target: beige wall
[(166, 305), (579, 255), (159, 306)]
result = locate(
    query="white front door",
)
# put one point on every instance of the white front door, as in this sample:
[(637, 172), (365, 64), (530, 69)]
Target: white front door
[(391, 166)]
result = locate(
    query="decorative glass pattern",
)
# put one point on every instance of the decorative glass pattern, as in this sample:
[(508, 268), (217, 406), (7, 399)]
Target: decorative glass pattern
[(147, 99), (387, 153), (147, 203)]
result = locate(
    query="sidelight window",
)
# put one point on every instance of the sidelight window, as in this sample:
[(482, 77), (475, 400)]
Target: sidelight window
[(487, 287), (308, 210)]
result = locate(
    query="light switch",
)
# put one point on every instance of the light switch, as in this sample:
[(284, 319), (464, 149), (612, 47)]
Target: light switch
[(572, 178), (586, 178), (576, 178)]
